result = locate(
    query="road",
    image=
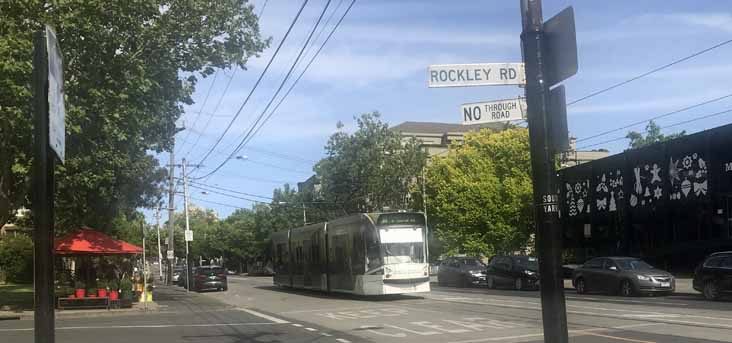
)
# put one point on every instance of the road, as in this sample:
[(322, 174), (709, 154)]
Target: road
[(255, 311), (481, 315)]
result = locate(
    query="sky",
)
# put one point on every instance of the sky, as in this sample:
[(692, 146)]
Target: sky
[(378, 57)]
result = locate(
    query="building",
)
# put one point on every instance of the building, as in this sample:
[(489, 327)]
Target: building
[(573, 157), (437, 137)]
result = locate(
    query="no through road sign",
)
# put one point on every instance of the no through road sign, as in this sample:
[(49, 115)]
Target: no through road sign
[(493, 111), (481, 74)]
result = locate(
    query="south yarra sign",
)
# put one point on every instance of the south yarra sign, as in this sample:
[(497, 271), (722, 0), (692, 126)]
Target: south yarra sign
[(480, 74), (493, 111)]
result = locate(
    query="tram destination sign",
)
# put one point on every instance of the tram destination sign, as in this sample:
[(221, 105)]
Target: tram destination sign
[(480, 74), (493, 111)]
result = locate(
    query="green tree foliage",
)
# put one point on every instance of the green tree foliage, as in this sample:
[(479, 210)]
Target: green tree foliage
[(480, 194), (369, 169), (16, 258), (129, 67), (653, 135)]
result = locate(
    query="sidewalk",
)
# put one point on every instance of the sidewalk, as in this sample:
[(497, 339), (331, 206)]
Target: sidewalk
[(137, 308)]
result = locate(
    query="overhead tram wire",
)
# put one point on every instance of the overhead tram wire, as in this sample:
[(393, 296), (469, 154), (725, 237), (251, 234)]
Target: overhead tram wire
[(256, 84), (335, 27), (663, 127), (656, 117), (224, 194), (218, 203), (279, 89), (198, 115), (596, 93), (203, 185), (262, 10)]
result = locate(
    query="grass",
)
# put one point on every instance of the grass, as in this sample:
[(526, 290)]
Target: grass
[(16, 296)]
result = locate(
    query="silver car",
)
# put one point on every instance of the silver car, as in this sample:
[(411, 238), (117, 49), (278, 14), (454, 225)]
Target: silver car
[(626, 276)]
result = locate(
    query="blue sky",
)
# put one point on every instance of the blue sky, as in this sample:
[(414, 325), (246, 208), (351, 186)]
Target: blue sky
[(378, 58)]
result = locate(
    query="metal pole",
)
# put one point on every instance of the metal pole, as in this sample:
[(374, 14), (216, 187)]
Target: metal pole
[(43, 181), (304, 215), (171, 215), (185, 209), (160, 253), (548, 239), (144, 275)]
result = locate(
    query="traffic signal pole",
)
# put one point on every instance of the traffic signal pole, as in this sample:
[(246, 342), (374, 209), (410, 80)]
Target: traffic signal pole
[(548, 228)]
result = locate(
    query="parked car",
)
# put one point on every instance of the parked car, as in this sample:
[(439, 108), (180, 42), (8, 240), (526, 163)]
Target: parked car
[(626, 276), (713, 277), (517, 272), (435, 267), (207, 278), (176, 275), (461, 271)]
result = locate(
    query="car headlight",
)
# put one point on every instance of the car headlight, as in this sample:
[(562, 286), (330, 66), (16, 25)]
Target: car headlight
[(530, 273), (643, 277), (476, 272)]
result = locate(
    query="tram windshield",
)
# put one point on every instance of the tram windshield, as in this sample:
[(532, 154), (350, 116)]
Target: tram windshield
[(402, 244)]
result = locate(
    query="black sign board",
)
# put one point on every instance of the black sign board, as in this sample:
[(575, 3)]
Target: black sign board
[(560, 47), (557, 117)]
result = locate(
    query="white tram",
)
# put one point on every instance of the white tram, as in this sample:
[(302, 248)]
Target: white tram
[(367, 254)]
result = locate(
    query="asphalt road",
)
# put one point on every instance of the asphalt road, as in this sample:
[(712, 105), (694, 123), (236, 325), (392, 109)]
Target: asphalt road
[(481, 315), (255, 311)]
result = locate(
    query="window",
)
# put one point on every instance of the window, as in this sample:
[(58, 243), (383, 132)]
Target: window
[(608, 264), (727, 262), (714, 262), (595, 263)]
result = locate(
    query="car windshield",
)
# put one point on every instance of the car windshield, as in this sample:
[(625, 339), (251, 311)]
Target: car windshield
[(530, 263), (472, 262), (402, 244), (633, 265)]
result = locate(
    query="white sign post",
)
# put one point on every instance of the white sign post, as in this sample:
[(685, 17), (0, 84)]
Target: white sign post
[(189, 235), (170, 255), (56, 108), (493, 111), (480, 74)]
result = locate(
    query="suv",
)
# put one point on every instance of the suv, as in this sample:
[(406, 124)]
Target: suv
[(209, 278), (517, 272), (461, 271), (713, 277)]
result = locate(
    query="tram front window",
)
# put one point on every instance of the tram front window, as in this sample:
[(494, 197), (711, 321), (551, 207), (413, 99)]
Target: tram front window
[(402, 245)]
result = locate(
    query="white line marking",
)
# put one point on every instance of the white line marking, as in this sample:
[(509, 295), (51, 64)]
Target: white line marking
[(326, 334), (311, 329), (575, 332), (343, 340), (297, 325), (262, 315), (139, 326)]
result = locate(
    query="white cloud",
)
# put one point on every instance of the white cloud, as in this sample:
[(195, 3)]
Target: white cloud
[(718, 21)]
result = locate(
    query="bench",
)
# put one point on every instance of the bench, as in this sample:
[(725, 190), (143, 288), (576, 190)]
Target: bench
[(83, 303)]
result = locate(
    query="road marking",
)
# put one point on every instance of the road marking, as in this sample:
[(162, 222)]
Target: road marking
[(326, 334), (627, 301), (162, 326), (574, 332), (343, 340), (311, 329), (618, 338), (264, 316), (297, 325)]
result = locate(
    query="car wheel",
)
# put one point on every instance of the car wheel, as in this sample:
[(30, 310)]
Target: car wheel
[(711, 291), (490, 282), (580, 286), (518, 284), (626, 288)]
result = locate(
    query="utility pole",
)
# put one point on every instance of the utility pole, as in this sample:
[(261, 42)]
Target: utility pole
[(171, 215), (546, 184), (185, 210), (144, 264), (160, 253)]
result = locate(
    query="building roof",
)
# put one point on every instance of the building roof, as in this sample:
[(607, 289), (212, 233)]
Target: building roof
[(429, 127)]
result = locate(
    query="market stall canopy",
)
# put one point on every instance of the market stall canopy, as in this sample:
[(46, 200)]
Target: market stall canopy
[(86, 241)]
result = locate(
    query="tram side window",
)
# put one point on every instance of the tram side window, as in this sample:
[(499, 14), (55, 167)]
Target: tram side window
[(358, 254), (281, 263)]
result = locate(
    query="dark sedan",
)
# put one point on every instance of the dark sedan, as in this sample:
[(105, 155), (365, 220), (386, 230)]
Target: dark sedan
[(209, 278), (461, 271), (626, 276), (517, 272)]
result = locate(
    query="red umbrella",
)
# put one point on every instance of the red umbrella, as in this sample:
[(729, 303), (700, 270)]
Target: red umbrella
[(86, 241)]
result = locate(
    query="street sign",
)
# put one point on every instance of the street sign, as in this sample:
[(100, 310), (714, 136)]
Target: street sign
[(480, 74), (170, 255), (189, 235), (557, 118), (56, 108), (561, 47), (493, 111)]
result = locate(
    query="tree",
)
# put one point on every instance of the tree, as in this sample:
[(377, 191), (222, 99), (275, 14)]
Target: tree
[(16, 258), (480, 193), (653, 135), (369, 169), (128, 66)]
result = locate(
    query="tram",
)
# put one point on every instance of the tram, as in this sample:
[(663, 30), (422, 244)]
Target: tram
[(365, 254)]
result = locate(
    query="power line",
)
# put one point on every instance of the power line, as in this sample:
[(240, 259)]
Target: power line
[(593, 94), (281, 155), (262, 10), (656, 117), (256, 84), (335, 27), (198, 115), (280, 168), (218, 203), (663, 127), (202, 185), (282, 84), (224, 194)]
